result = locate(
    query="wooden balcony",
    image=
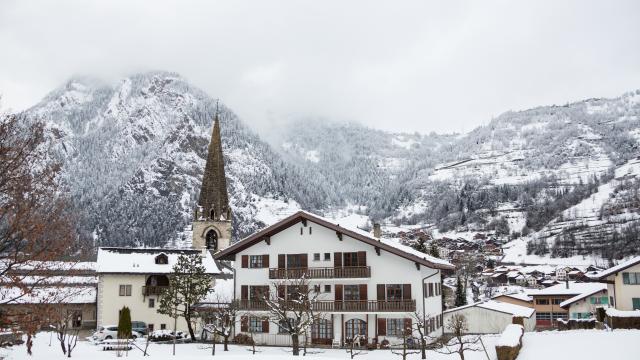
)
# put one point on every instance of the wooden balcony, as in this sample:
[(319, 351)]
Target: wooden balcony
[(340, 306), (153, 290), (347, 272)]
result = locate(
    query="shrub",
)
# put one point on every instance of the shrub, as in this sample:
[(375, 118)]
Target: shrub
[(243, 339)]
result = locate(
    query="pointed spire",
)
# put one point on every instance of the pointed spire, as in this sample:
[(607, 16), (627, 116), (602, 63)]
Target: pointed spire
[(213, 194)]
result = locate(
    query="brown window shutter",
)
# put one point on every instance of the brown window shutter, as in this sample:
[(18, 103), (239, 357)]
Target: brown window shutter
[(282, 291), (338, 292), (244, 292), (362, 289), (382, 326), (265, 325), (304, 260), (265, 261), (406, 291), (244, 323), (245, 261), (265, 291), (281, 261), (380, 291), (407, 325), (337, 259), (362, 258)]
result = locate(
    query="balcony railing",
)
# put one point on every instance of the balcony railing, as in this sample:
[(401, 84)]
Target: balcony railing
[(153, 290), (339, 306), (346, 272)]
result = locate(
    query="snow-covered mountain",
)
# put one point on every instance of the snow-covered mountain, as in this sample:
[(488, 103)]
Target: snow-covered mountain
[(134, 156)]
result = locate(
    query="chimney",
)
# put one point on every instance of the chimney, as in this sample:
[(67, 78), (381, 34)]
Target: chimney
[(377, 232)]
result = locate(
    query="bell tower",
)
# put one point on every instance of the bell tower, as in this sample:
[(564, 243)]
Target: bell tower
[(212, 223)]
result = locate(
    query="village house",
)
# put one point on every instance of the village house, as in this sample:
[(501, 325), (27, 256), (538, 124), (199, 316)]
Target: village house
[(69, 288), (367, 286), (492, 316), (521, 299), (136, 278), (548, 302), (623, 284)]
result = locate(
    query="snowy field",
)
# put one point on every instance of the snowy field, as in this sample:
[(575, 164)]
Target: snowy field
[(86, 350), (581, 344)]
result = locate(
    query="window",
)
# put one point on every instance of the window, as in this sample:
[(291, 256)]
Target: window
[(394, 292), (394, 327), (309, 230), (599, 300), (283, 326), (255, 261), (294, 261), (152, 303), (162, 259), (322, 329), (556, 316), (543, 316), (542, 301), (301, 231), (163, 326), (350, 259), (327, 256), (125, 290), (327, 288), (635, 303), (351, 292), (631, 278), (211, 239), (255, 324), (258, 292), (150, 327), (316, 257), (581, 315), (316, 288), (355, 327), (556, 301)]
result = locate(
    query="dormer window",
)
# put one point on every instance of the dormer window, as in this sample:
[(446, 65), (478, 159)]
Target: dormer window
[(162, 259)]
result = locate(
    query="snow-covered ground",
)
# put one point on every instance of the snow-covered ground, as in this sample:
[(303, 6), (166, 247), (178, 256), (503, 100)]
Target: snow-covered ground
[(580, 344), (86, 350)]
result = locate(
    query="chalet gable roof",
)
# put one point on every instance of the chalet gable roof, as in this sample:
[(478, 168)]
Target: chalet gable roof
[(357, 234)]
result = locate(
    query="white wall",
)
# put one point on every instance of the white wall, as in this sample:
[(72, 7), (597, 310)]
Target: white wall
[(110, 302), (386, 268), (624, 293), (485, 321)]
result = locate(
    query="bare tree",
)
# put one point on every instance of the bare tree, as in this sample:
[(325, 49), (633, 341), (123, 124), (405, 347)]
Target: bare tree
[(420, 326), (291, 307), (406, 346), (222, 318), (459, 342)]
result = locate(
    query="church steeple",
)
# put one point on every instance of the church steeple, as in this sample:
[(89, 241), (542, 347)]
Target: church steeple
[(212, 227), (214, 199)]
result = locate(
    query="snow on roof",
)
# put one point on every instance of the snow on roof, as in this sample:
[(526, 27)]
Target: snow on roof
[(142, 261), (518, 296), (619, 267), (620, 313), (55, 266), (575, 288), (49, 280), (408, 249), (222, 291), (504, 307), (50, 295), (584, 295)]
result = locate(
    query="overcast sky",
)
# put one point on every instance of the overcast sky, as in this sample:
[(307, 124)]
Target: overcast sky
[(397, 65)]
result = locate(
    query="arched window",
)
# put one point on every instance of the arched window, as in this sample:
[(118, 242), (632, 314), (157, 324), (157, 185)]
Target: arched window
[(212, 214), (157, 280), (212, 240), (162, 259), (356, 327)]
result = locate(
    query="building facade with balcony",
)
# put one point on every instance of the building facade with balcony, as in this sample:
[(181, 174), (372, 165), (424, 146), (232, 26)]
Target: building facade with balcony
[(136, 278), (367, 287)]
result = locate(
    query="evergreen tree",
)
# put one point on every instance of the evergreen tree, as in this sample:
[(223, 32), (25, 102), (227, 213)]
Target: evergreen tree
[(461, 298), (433, 250), (421, 246), (124, 324), (188, 284)]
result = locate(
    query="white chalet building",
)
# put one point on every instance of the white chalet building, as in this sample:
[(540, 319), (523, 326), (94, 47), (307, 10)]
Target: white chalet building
[(367, 286)]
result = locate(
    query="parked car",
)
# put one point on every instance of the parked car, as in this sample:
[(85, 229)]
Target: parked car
[(111, 332), (139, 326)]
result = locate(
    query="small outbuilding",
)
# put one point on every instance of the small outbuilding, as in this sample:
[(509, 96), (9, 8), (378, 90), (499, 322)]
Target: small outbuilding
[(491, 316)]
